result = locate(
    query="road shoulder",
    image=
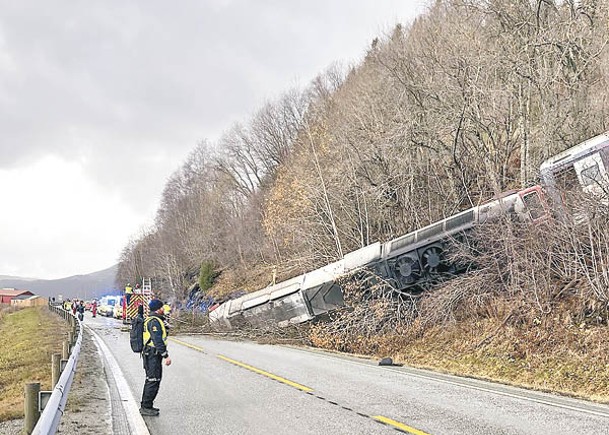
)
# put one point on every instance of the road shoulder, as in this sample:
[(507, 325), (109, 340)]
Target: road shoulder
[(88, 408), (126, 418)]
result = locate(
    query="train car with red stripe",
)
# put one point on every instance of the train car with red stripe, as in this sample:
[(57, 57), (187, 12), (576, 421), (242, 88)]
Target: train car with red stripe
[(407, 263)]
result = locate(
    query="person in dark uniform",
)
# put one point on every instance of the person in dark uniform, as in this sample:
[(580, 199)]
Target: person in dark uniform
[(155, 351), (81, 310)]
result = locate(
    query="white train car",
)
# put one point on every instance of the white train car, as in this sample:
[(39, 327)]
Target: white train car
[(582, 168), (406, 262)]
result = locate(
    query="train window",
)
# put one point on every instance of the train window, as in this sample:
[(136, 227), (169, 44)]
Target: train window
[(566, 179), (591, 175), (429, 232), (533, 205), (408, 239), (460, 220)]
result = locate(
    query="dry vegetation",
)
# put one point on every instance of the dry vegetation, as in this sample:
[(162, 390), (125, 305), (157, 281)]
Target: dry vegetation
[(441, 114), (28, 338), (533, 311)]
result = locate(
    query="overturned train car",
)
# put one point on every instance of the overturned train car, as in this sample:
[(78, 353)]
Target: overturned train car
[(406, 262)]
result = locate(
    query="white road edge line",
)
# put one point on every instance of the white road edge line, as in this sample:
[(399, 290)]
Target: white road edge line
[(515, 395), (137, 425)]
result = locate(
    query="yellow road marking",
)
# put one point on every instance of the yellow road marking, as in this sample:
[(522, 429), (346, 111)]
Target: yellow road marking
[(399, 425), (267, 374), (379, 418), (183, 343)]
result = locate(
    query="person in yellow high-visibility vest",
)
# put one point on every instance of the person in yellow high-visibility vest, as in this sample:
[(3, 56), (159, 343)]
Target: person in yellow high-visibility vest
[(155, 351), (128, 292), (166, 313)]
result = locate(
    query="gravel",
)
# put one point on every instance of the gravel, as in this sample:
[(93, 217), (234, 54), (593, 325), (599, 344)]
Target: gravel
[(11, 427)]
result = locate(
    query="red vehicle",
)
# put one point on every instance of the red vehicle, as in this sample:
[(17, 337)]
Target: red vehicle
[(141, 296)]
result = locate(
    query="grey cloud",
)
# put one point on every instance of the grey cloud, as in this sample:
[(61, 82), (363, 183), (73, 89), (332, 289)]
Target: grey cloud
[(115, 83)]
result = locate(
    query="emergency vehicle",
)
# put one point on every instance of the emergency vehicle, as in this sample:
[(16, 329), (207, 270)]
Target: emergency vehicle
[(139, 296)]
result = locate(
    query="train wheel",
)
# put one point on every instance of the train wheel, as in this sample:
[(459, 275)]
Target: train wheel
[(432, 260), (407, 270)]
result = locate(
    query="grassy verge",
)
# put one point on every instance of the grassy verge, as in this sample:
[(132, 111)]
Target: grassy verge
[(28, 338), (571, 361)]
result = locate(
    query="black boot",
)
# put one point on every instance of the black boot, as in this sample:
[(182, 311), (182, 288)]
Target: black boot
[(150, 412)]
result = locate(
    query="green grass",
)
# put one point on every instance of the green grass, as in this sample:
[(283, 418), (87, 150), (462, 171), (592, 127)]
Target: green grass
[(28, 338)]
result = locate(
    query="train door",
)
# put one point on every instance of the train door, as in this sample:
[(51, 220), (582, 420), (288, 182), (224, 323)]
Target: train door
[(592, 173)]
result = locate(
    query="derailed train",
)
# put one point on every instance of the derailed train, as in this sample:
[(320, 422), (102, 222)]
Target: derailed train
[(406, 262)]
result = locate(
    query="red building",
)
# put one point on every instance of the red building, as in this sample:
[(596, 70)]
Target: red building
[(7, 295)]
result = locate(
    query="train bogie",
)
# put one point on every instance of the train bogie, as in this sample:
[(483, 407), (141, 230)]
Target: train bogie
[(408, 264), (405, 269), (411, 261)]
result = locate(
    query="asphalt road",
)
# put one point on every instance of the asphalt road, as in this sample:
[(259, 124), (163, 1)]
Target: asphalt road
[(225, 387)]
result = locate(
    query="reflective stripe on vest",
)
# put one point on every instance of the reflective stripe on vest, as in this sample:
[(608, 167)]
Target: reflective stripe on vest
[(128, 289), (147, 339)]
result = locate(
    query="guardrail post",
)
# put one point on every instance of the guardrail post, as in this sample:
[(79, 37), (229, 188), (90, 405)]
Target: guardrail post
[(71, 338), (32, 414), (65, 352), (55, 369)]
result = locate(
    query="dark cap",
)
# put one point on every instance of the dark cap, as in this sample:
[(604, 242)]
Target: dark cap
[(155, 305)]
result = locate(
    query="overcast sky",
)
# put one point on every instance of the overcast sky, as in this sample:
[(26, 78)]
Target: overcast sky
[(100, 101)]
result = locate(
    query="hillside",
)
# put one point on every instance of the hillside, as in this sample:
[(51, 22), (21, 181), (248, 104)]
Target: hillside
[(82, 286), (441, 114), (18, 278)]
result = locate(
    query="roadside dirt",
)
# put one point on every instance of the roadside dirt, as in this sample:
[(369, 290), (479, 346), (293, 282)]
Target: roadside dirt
[(88, 409)]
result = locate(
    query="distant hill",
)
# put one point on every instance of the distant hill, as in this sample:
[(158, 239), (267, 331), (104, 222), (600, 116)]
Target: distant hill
[(5, 277), (92, 285)]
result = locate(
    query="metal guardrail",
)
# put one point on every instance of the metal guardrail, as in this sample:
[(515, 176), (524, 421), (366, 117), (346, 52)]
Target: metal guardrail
[(51, 416)]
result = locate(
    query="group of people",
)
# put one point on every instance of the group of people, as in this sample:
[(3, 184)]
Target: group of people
[(77, 307), (129, 290)]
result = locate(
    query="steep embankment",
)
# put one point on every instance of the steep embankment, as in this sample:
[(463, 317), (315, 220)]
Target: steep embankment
[(532, 312), (556, 354)]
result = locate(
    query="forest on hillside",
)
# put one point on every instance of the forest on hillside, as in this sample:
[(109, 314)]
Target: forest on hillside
[(441, 114)]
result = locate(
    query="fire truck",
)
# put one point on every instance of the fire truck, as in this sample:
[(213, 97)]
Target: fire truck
[(140, 296)]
